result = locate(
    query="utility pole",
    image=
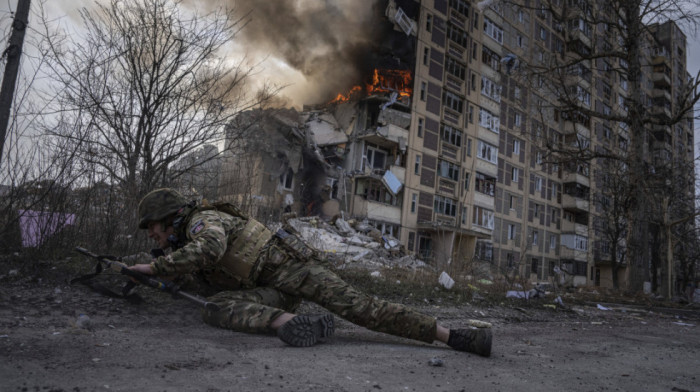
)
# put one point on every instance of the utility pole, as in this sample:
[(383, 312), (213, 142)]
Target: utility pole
[(13, 53)]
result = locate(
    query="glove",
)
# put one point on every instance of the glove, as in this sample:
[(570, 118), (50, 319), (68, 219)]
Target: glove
[(137, 258)]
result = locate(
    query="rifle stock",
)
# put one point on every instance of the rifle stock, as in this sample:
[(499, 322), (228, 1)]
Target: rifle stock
[(150, 281)]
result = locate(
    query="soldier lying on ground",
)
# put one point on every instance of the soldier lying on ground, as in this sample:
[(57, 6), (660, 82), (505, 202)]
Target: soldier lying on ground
[(258, 278)]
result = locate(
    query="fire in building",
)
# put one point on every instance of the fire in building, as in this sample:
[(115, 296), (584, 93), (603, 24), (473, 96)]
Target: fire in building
[(434, 145)]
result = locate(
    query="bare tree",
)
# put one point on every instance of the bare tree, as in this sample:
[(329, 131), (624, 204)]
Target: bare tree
[(589, 47), (145, 83)]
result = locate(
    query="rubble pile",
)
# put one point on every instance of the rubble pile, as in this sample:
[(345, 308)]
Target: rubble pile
[(353, 244)]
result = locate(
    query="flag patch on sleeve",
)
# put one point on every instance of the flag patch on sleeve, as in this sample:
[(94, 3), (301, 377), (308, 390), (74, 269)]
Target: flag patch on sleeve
[(197, 227)]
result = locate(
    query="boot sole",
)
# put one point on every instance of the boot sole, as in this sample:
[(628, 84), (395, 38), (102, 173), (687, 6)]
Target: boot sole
[(305, 331)]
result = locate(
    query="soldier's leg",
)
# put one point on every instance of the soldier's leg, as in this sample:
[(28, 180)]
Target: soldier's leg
[(318, 284), (251, 310)]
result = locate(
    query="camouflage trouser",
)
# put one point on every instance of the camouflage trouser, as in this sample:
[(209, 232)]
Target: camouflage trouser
[(287, 279)]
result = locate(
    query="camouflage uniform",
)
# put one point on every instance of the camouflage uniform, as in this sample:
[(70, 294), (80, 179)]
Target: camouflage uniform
[(281, 271)]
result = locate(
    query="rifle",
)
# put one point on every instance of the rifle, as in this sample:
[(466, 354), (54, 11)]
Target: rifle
[(150, 281)]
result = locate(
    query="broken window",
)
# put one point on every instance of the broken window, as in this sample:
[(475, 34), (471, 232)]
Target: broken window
[(375, 158), (455, 68), (448, 170), (453, 101), (460, 6), (425, 246), (485, 184), (483, 217), (493, 30), (445, 206), (487, 152), (490, 58), (451, 135), (374, 190), (457, 35), (287, 178)]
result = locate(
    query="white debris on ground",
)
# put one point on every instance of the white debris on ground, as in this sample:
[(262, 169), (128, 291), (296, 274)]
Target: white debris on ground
[(354, 244)]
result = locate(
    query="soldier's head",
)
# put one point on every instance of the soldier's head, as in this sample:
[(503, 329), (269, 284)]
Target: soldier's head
[(156, 212)]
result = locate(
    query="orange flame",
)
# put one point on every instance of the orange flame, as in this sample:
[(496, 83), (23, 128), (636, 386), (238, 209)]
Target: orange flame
[(383, 80)]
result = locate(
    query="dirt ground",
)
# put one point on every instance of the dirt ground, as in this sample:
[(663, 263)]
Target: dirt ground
[(162, 345)]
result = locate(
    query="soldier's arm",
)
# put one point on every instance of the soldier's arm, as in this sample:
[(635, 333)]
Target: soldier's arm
[(207, 243)]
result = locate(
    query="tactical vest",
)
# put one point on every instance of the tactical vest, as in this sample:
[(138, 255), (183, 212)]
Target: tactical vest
[(239, 266)]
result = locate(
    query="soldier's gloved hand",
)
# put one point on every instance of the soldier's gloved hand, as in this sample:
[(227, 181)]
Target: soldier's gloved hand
[(137, 258)]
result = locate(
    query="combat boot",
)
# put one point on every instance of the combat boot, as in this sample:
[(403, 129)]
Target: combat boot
[(473, 340), (305, 331)]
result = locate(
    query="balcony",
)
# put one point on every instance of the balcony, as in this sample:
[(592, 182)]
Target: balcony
[(572, 254), (576, 128), (661, 75), (577, 178), (576, 34), (375, 210), (389, 136), (574, 203), (574, 227)]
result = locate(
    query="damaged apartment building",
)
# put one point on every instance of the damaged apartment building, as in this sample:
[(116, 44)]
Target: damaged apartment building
[(431, 149)]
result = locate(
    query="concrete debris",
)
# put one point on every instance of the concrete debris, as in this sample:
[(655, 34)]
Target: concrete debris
[(435, 361), (601, 307), (446, 281), (353, 243)]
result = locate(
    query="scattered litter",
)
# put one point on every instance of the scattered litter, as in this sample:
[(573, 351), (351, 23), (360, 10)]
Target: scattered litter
[(558, 301), (517, 294), (56, 333), (96, 360), (601, 307), (596, 323), (478, 323), (446, 281), (683, 324), (4, 336), (485, 281), (435, 361), (13, 272), (376, 274), (550, 306)]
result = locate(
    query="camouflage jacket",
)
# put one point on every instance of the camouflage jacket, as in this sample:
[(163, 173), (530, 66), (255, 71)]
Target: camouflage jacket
[(223, 248)]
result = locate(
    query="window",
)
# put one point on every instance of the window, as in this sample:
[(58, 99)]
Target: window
[(332, 184), (490, 89), (414, 202), (466, 181), (422, 91), (555, 191), (518, 119), (445, 206), (490, 58), (416, 167), (426, 55), (375, 158), (487, 152), (534, 266), (455, 68), (520, 41), (516, 92), (511, 202), (538, 208), (538, 184), (489, 121), (493, 30), (375, 190), (429, 23), (464, 215), (457, 35), (538, 157), (553, 242), (453, 101), (511, 231), (543, 33), (521, 16), (514, 174), (485, 184), (461, 6), (420, 126), (287, 179), (574, 241), (448, 170), (483, 217), (516, 147), (451, 135), (535, 235)]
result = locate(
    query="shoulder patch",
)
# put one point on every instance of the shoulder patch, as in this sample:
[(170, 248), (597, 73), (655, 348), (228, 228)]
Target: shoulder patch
[(197, 227)]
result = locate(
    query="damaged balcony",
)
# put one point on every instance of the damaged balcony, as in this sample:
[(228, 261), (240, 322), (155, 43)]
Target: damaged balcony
[(376, 201)]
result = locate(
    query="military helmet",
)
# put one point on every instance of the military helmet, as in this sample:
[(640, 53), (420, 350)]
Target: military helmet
[(158, 205)]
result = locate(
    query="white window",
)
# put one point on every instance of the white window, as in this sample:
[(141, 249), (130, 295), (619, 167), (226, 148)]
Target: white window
[(490, 89), (493, 30), (514, 174), (538, 183), (516, 92), (511, 202), (555, 190), (534, 238), (516, 147), (487, 152), (538, 158), (521, 16), (574, 241), (483, 217), (416, 168), (489, 121), (518, 119), (553, 242), (445, 206), (511, 231)]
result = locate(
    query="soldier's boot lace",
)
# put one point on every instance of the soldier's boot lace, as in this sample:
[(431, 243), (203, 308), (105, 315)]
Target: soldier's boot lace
[(306, 330), (473, 340)]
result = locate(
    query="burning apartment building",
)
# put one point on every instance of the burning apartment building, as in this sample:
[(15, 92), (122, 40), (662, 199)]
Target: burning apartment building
[(430, 147)]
